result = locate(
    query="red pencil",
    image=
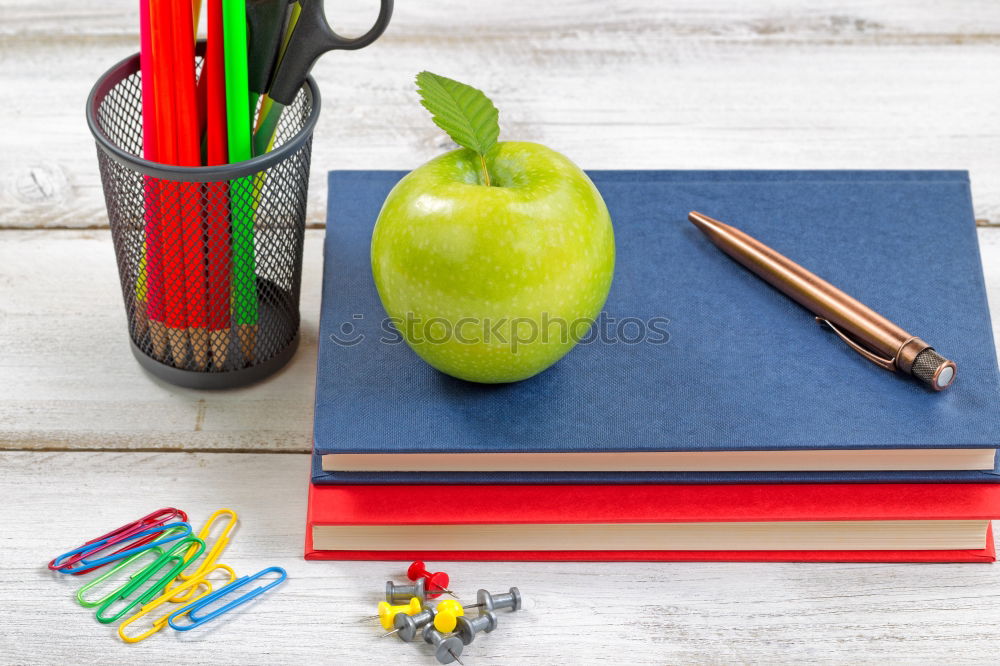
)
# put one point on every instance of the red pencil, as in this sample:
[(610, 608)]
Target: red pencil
[(189, 154), (217, 194), (172, 233), (152, 307)]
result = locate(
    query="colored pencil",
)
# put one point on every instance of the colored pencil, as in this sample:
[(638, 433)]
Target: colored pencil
[(172, 232), (241, 189), (141, 316), (149, 285), (201, 92), (196, 15), (217, 194), (189, 155)]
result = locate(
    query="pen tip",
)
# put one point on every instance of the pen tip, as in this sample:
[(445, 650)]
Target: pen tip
[(703, 222)]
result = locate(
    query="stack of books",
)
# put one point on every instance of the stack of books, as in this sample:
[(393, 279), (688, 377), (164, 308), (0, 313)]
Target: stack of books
[(709, 417)]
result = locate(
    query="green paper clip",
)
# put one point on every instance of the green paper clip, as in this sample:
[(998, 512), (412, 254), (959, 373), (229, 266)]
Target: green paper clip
[(178, 561), (156, 553)]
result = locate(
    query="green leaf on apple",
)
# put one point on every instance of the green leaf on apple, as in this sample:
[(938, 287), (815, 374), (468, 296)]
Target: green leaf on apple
[(464, 112)]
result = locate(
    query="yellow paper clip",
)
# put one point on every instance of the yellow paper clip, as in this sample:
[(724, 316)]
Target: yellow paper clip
[(210, 558), (189, 587)]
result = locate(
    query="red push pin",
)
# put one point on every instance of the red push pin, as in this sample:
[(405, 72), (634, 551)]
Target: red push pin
[(437, 582)]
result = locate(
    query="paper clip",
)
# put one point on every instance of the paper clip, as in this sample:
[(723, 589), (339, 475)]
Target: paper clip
[(117, 535), (123, 593), (161, 622), (192, 609), (93, 547), (211, 557), (153, 553)]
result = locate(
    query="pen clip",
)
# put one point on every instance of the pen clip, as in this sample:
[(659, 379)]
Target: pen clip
[(882, 362)]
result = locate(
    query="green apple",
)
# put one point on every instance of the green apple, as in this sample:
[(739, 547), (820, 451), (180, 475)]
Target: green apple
[(494, 283)]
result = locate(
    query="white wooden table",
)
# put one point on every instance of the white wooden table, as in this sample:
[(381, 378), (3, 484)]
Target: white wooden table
[(89, 441)]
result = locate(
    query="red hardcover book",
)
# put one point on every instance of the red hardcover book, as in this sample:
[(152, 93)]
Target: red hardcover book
[(401, 508)]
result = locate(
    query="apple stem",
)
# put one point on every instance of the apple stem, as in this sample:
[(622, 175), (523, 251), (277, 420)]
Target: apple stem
[(486, 172)]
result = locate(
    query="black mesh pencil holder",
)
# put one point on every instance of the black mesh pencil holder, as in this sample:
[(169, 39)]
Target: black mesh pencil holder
[(210, 258)]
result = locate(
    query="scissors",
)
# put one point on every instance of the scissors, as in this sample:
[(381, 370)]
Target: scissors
[(267, 21), (309, 38)]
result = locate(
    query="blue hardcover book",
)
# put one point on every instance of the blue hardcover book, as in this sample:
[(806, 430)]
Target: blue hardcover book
[(704, 373)]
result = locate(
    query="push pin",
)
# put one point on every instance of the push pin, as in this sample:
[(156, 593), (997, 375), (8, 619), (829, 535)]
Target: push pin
[(437, 582), (407, 626), (387, 613), (395, 592), (467, 629), (492, 602), (446, 615), (446, 648)]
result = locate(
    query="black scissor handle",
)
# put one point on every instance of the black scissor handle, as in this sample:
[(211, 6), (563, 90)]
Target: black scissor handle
[(311, 38), (265, 27), (352, 43)]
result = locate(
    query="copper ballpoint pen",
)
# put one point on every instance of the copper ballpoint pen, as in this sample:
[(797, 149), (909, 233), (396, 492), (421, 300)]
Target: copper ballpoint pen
[(870, 334)]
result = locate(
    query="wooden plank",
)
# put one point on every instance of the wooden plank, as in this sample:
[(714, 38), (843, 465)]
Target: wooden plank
[(722, 84), (67, 364), (642, 613), (85, 391)]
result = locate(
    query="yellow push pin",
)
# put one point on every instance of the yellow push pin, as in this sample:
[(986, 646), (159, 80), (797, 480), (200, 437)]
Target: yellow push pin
[(447, 614), (387, 613)]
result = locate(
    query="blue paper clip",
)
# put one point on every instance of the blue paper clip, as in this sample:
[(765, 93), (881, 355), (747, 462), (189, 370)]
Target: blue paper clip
[(96, 546), (191, 610)]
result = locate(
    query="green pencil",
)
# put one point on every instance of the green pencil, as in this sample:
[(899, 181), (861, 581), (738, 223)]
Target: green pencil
[(244, 298)]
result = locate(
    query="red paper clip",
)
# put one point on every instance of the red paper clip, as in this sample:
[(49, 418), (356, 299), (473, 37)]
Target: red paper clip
[(158, 517)]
